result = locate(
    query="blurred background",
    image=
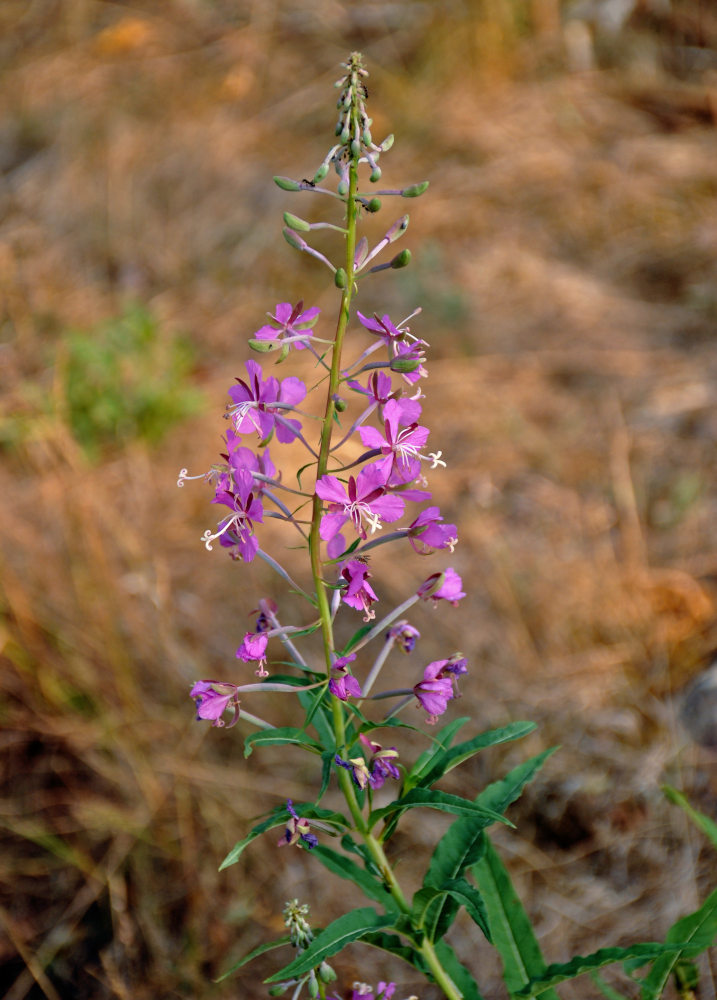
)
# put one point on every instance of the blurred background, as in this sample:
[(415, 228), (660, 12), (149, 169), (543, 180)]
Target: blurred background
[(565, 258)]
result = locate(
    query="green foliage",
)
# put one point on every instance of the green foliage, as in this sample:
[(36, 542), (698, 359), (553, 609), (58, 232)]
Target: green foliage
[(350, 927), (702, 822), (688, 937), (344, 867), (125, 380)]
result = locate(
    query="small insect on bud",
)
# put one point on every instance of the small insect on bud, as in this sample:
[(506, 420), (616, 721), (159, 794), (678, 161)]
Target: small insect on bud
[(402, 259), (321, 173), (375, 175), (263, 346), (340, 278), (374, 205), (294, 222), (286, 184), (414, 190)]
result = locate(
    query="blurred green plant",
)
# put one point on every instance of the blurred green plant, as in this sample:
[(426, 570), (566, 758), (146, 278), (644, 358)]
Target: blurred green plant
[(125, 379)]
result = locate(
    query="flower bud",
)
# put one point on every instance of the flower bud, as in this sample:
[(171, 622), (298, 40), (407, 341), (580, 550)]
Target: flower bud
[(343, 188), (355, 148), (286, 184), (344, 136), (321, 173), (276, 991), (366, 137), (404, 365), (296, 223), (313, 985), (293, 239), (402, 259), (340, 278), (375, 175), (263, 346), (414, 190), (374, 205), (339, 126), (326, 973), (339, 404)]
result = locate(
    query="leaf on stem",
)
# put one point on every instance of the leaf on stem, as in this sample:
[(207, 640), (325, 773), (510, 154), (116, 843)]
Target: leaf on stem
[(443, 802), (278, 736), (344, 867), (689, 936), (254, 953), (350, 927)]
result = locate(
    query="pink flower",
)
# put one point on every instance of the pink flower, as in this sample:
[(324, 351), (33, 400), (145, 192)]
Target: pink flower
[(444, 586), (434, 691), (428, 532), (363, 500), (345, 684), (253, 647), (212, 698), (293, 325), (358, 593)]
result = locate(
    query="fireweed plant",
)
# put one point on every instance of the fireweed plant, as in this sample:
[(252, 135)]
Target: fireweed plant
[(340, 509)]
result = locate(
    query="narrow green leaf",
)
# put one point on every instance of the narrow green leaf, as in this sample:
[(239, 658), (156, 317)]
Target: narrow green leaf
[(344, 867), (605, 988), (462, 892), (350, 927), (395, 946), (441, 741), (458, 972), (692, 934), (442, 801), (254, 953), (502, 793), (277, 818), (702, 822), (511, 929), (355, 639), (327, 766), (463, 751), (281, 735), (562, 971)]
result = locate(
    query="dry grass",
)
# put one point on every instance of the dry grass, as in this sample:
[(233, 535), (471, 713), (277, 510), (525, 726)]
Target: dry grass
[(565, 260)]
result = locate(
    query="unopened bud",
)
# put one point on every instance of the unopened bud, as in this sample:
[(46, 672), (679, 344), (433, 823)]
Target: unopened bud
[(339, 404), (326, 973), (340, 278), (343, 188), (339, 126), (414, 190), (313, 985), (355, 148), (276, 991), (375, 175), (366, 137), (404, 365), (402, 259), (387, 143), (263, 346), (293, 239), (286, 184), (374, 205), (296, 223), (321, 173), (344, 137)]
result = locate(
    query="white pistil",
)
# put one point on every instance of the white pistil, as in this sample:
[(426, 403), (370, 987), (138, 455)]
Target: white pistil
[(451, 542), (435, 457), (184, 475), (208, 537)]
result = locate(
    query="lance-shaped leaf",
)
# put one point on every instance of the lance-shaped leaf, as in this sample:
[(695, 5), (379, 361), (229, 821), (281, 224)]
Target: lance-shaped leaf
[(277, 818), (702, 822), (442, 801), (344, 867), (458, 972), (254, 953), (393, 944), (463, 751), (560, 972), (511, 929), (691, 935), (280, 736), (461, 892), (463, 843), (350, 927), (441, 742)]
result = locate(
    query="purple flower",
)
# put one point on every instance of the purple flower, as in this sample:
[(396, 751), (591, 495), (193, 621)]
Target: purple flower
[(404, 444), (444, 586), (379, 390), (428, 532), (212, 698), (381, 764), (358, 768), (364, 499), (297, 830), (383, 326), (358, 593), (345, 684), (292, 325), (362, 991), (434, 691), (237, 530), (409, 353), (255, 404), (240, 457), (404, 635), (253, 647)]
